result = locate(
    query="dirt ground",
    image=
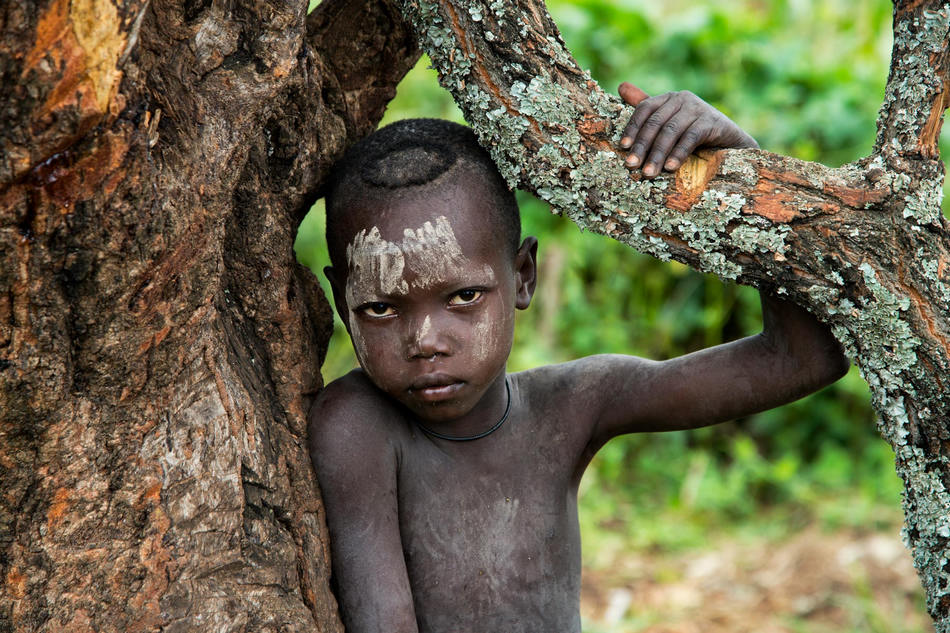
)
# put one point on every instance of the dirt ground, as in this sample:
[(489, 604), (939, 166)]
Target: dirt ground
[(814, 582)]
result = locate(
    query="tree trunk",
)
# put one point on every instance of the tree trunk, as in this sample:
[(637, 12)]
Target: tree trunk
[(159, 346), (863, 246)]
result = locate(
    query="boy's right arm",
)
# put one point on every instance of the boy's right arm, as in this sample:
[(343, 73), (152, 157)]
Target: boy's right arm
[(355, 463)]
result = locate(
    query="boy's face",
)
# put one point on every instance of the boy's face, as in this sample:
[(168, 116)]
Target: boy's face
[(429, 296)]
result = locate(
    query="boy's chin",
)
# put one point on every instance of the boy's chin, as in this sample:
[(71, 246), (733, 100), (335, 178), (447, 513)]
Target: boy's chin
[(441, 412)]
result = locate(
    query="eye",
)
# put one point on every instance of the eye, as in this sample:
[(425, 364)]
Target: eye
[(377, 309), (465, 297)]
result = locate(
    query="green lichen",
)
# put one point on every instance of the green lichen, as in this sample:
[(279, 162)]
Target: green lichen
[(844, 307), (923, 202), (750, 238), (895, 352), (716, 262), (939, 290), (736, 165), (702, 226), (661, 250), (477, 98), (822, 295), (545, 101), (559, 54)]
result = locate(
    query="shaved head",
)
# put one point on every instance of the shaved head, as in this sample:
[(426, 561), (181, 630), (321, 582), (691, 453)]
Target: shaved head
[(410, 158)]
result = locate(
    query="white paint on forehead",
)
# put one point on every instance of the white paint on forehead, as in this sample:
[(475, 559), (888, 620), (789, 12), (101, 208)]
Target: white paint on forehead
[(434, 250), (374, 264), (379, 267)]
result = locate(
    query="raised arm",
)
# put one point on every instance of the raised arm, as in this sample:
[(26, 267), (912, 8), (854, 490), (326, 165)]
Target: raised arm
[(793, 356), (355, 465)]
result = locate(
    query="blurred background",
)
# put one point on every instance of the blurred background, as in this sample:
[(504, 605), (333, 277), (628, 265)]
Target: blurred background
[(787, 521)]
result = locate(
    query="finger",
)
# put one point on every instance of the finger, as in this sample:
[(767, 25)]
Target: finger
[(668, 137), (633, 95), (691, 139), (649, 131), (640, 117)]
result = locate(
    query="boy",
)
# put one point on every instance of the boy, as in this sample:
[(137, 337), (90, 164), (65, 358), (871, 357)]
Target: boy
[(451, 486)]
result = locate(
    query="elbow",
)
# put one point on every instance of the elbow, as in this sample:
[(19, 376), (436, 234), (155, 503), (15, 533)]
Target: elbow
[(816, 367), (833, 365), (839, 366)]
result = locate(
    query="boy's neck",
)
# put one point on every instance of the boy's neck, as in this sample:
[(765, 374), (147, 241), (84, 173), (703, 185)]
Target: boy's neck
[(477, 436)]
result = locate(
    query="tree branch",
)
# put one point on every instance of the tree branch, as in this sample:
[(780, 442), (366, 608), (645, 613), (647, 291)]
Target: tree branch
[(863, 246), (916, 94)]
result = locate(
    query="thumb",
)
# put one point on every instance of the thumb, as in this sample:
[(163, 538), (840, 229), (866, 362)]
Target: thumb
[(631, 94)]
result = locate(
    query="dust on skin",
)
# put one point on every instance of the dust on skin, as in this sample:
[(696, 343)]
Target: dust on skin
[(379, 268), (453, 541)]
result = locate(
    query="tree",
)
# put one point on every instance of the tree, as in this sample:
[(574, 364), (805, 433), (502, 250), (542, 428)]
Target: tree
[(159, 346)]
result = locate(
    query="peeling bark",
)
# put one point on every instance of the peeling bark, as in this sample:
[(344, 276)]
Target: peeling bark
[(863, 246), (159, 345)]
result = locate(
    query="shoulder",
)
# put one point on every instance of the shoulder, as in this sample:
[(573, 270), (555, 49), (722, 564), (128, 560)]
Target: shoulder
[(579, 390), (351, 421), (348, 396), (590, 374)]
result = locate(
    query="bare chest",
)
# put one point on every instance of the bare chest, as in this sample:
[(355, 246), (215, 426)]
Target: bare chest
[(491, 545)]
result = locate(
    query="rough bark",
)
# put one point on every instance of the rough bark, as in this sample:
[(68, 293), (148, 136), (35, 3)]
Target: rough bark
[(159, 346), (864, 246)]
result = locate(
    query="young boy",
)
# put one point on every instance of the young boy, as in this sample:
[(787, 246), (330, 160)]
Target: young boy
[(450, 485)]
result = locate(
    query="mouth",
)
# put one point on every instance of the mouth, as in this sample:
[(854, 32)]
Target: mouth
[(435, 387)]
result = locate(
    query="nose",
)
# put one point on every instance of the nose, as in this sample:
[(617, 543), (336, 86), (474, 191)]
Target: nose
[(426, 340)]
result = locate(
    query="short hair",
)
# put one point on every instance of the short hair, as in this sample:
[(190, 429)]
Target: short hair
[(403, 156)]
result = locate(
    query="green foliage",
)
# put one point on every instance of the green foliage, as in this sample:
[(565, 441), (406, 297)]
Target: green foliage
[(805, 77)]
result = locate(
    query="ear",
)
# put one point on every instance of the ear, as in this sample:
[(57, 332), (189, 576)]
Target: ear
[(526, 272), (337, 285)]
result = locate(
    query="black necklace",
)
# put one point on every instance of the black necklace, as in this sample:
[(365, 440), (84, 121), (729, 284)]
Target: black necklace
[(469, 438)]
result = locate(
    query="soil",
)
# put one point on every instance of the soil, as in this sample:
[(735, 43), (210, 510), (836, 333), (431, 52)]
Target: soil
[(812, 582)]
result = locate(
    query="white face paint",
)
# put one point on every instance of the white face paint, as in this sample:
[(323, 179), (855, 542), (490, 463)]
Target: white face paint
[(487, 335), (378, 267), (426, 257), (423, 330), (359, 343), (375, 267)]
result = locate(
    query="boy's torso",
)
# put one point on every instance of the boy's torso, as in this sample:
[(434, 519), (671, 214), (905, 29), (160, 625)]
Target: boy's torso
[(489, 528)]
